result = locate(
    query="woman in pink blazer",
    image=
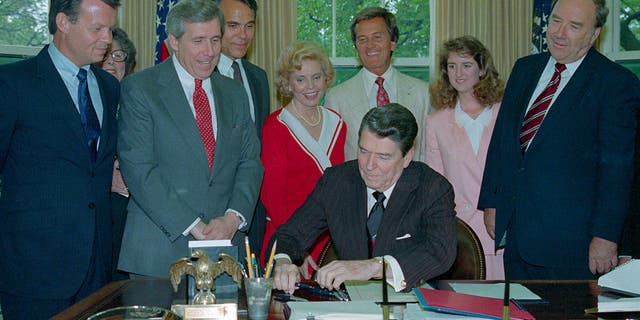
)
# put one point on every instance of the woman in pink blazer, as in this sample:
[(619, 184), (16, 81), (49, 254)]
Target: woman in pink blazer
[(467, 96)]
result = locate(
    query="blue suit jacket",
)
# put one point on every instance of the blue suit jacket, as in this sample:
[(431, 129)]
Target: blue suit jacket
[(573, 182), (54, 201)]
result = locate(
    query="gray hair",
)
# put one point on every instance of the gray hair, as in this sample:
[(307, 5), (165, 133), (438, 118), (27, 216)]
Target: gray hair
[(391, 121), (192, 11)]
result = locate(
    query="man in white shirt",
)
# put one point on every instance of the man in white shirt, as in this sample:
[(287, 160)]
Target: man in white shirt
[(557, 181), (239, 30), (374, 32), (187, 148)]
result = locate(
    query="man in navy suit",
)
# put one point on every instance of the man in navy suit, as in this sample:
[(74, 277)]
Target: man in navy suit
[(239, 30), (56, 157), (558, 200)]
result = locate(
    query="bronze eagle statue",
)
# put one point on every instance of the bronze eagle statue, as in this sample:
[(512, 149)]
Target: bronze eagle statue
[(204, 271)]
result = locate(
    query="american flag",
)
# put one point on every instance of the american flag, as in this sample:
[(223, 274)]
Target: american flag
[(541, 12), (162, 50)]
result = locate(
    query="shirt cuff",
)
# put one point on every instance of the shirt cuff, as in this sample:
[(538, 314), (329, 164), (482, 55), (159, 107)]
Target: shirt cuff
[(397, 276), (239, 215), (282, 256), (186, 232)]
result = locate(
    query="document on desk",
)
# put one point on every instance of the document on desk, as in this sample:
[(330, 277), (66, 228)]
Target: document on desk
[(623, 279), (369, 290), (495, 290), (360, 310), (335, 310)]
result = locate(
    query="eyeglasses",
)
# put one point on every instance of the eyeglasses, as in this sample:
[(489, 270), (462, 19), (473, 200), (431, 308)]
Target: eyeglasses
[(117, 55)]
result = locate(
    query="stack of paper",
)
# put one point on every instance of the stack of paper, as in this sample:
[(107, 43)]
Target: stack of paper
[(624, 279)]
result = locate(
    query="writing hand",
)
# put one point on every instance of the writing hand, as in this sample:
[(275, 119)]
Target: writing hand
[(335, 273), (285, 275)]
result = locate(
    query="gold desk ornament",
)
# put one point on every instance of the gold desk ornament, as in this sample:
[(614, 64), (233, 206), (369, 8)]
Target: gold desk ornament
[(204, 271)]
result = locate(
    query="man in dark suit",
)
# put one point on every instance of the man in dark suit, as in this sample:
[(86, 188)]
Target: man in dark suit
[(417, 230), (57, 143), (557, 193), (187, 147), (239, 29)]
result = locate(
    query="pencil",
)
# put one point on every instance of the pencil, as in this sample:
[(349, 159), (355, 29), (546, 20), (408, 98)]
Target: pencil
[(248, 249), (273, 252)]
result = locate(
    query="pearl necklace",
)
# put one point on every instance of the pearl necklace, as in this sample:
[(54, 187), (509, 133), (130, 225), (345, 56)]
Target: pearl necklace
[(294, 106)]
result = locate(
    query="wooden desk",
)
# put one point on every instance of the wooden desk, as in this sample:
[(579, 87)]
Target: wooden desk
[(147, 292), (567, 299)]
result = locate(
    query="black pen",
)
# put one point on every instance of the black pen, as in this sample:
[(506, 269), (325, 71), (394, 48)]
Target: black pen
[(315, 289)]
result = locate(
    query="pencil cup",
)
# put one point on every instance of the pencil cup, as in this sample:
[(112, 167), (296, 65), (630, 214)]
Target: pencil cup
[(258, 292)]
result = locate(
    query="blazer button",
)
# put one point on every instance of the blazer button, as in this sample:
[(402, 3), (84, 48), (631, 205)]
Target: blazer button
[(92, 205)]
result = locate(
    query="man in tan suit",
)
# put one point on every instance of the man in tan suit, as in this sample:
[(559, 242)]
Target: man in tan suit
[(375, 34)]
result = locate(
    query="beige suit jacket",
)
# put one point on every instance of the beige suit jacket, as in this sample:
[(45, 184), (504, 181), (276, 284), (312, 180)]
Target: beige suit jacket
[(350, 100)]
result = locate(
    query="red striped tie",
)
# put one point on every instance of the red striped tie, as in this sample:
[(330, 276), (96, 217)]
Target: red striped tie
[(535, 115), (203, 120)]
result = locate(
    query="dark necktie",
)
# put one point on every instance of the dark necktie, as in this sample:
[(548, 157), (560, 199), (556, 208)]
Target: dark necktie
[(203, 121), (375, 217), (88, 115), (382, 97), (535, 115), (237, 75)]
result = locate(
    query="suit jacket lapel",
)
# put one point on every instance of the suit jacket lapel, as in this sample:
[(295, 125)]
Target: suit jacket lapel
[(177, 106), (108, 114), (568, 99), (406, 95), (357, 223), (401, 198), (59, 96)]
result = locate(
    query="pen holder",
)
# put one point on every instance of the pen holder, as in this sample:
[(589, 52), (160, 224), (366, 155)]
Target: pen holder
[(258, 292)]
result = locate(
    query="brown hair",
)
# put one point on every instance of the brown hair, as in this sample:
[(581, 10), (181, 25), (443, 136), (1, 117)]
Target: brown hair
[(488, 90)]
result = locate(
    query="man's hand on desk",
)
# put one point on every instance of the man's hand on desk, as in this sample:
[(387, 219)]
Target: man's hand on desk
[(335, 273), (285, 275), (603, 255), (222, 228)]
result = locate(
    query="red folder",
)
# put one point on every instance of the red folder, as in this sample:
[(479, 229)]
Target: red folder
[(466, 304)]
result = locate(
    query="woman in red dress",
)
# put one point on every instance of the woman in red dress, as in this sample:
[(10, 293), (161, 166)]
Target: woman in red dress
[(300, 140)]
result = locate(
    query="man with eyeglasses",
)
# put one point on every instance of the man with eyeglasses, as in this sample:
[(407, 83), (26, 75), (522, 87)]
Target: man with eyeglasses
[(375, 33)]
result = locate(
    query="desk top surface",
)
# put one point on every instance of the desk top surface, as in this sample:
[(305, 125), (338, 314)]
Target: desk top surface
[(566, 299)]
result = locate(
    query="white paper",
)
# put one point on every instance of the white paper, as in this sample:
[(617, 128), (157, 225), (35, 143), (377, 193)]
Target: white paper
[(495, 290), (372, 291), (209, 243), (360, 310), (624, 278)]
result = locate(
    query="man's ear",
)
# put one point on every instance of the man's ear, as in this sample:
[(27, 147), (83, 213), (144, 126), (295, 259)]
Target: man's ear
[(173, 41), (62, 22), (408, 157)]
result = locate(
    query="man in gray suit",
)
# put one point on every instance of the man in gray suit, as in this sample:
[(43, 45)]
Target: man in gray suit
[(188, 148), (375, 33), (239, 29)]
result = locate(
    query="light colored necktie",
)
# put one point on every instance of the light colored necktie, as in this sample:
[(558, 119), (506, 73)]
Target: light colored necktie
[(535, 115), (203, 120)]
